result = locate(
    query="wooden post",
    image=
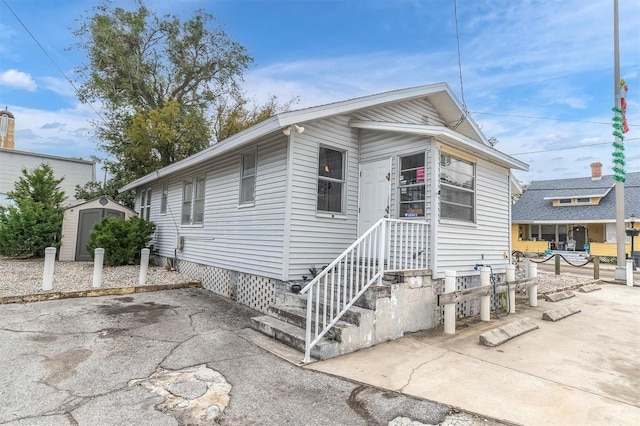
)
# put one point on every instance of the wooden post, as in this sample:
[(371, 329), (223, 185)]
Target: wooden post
[(596, 268), (557, 259), (98, 261), (450, 308), (49, 263), (144, 266), (485, 305), (533, 290), (511, 277)]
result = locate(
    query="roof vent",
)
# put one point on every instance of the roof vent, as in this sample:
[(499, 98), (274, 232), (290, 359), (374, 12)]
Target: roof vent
[(596, 171)]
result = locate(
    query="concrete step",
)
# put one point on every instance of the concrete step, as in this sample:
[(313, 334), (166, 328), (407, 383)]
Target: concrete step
[(504, 333), (560, 313), (293, 336), (297, 316), (366, 301)]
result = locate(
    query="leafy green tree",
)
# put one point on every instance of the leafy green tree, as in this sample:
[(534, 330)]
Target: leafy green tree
[(34, 220), (234, 114), (146, 69), (92, 190), (122, 240)]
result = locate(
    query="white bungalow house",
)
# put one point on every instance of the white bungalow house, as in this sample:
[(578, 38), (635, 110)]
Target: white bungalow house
[(407, 171)]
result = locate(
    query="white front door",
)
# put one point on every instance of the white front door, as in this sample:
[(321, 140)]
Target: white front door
[(375, 190)]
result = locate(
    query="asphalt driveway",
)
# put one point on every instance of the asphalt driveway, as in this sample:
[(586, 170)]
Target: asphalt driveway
[(168, 358)]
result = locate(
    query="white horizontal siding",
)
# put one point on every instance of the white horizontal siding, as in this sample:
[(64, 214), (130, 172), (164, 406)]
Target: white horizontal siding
[(74, 172), (417, 111), (462, 246), (317, 240), (246, 239)]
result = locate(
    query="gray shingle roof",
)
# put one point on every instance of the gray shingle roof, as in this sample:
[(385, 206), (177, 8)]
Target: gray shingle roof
[(532, 206)]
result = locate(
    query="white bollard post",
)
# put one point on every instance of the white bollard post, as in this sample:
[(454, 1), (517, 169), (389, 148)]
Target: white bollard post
[(485, 301), (98, 261), (144, 266), (511, 277), (629, 273), (533, 290), (450, 308), (49, 263)]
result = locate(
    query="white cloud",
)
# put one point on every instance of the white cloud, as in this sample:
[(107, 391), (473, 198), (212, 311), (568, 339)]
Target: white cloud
[(63, 132), (18, 80)]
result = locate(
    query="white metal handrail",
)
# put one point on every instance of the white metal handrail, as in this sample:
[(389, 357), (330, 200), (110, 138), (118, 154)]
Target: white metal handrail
[(390, 245)]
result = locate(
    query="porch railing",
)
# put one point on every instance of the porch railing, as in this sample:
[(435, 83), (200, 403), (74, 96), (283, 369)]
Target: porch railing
[(390, 245)]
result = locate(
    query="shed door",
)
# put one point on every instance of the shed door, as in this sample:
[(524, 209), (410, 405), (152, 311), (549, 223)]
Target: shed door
[(87, 220), (375, 189)]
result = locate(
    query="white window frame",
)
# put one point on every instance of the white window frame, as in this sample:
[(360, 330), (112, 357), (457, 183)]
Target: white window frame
[(192, 211), (145, 204), (342, 181), (444, 186), (164, 197), (407, 186), (248, 179)]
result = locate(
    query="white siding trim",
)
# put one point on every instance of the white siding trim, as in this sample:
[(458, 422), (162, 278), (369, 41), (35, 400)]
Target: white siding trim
[(288, 208)]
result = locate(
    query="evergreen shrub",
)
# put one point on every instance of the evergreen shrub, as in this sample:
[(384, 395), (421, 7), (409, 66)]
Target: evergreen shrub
[(122, 240)]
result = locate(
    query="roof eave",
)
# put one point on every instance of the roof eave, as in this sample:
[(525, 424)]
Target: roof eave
[(447, 135), (232, 142)]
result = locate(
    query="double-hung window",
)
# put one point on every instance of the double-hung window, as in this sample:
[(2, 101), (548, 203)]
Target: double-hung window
[(331, 180), (457, 188), (248, 178), (193, 201), (145, 204), (165, 196), (412, 186)]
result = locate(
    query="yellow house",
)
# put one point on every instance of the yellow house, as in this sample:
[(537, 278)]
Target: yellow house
[(575, 214)]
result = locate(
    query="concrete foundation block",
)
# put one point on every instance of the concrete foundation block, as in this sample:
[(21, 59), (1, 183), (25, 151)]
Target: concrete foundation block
[(504, 333), (589, 288), (554, 297), (558, 314)]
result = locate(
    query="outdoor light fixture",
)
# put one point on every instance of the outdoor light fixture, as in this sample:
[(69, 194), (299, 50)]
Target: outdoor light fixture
[(287, 130)]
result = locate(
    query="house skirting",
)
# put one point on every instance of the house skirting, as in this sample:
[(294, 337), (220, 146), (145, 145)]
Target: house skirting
[(260, 293), (467, 308), (254, 291)]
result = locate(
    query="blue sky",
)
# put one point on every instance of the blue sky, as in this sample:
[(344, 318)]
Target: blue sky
[(537, 74)]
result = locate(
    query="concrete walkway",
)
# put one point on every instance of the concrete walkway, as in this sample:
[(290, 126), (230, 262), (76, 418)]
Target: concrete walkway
[(581, 370)]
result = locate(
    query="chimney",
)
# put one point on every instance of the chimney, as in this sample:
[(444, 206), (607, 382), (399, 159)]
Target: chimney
[(596, 171)]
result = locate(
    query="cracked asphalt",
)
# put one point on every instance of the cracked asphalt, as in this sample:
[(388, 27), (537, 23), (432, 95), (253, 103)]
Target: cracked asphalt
[(82, 362)]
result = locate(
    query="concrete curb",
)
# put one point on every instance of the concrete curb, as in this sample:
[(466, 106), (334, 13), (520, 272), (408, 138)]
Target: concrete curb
[(569, 287), (96, 292)]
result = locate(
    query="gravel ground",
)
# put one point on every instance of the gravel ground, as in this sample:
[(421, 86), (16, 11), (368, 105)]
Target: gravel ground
[(19, 277)]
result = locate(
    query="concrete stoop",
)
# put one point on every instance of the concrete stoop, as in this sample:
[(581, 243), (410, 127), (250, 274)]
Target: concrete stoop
[(287, 323), (384, 312)]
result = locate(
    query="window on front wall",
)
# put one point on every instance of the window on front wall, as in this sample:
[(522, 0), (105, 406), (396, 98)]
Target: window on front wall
[(165, 196), (193, 201), (145, 204), (248, 178), (331, 180), (457, 188), (412, 186)]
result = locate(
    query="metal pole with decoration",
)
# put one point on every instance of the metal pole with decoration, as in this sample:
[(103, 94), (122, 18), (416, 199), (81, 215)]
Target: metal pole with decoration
[(619, 125)]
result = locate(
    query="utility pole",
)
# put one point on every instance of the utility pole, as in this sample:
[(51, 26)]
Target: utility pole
[(619, 190)]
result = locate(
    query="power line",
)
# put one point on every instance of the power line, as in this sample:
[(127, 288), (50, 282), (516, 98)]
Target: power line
[(571, 147), (48, 56), (546, 118), (464, 103)]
